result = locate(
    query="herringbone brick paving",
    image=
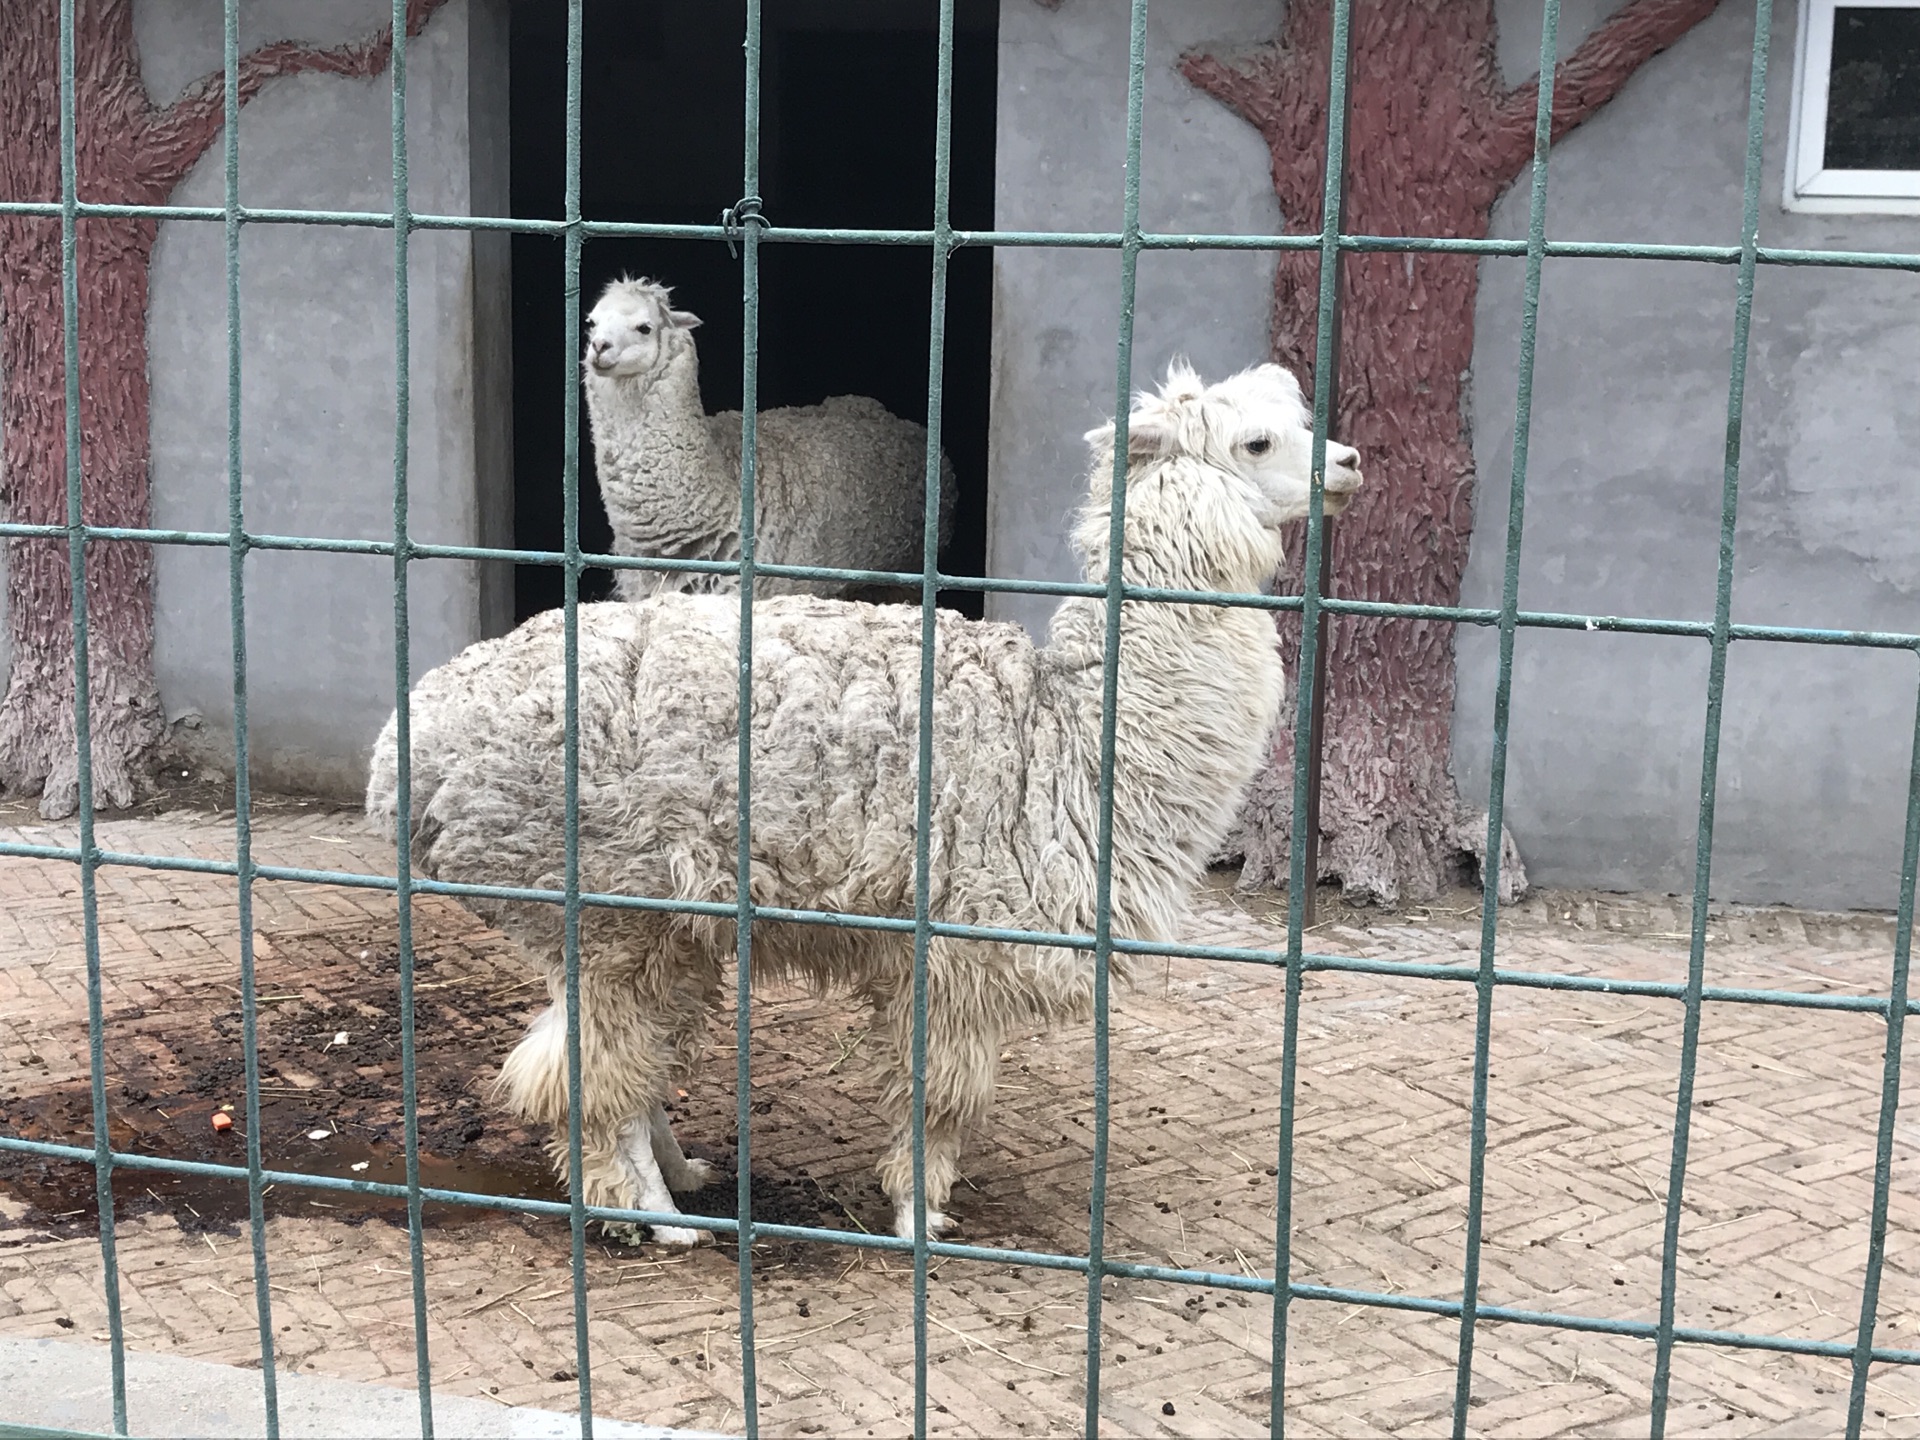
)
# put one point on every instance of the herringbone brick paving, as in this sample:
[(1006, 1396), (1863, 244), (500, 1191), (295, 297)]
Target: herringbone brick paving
[(1579, 1137)]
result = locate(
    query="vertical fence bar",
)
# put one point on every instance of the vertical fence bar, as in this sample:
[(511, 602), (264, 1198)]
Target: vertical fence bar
[(242, 774), (923, 800), (743, 938), (1316, 732), (1502, 711), (402, 667), (1716, 694), (570, 758), (1889, 1097), (1299, 881), (1109, 709), (1316, 735), (83, 710)]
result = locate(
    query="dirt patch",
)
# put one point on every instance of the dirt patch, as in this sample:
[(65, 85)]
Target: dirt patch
[(330, 1063), (330, 1083)]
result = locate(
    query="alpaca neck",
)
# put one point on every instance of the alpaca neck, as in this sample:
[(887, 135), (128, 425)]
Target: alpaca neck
[(1199, 691), (660, 469)]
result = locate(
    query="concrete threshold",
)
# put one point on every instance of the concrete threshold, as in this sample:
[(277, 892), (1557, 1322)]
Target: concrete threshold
[(51, 1388)]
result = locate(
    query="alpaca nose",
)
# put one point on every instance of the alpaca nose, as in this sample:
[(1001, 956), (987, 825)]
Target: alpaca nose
[(1343, 468)]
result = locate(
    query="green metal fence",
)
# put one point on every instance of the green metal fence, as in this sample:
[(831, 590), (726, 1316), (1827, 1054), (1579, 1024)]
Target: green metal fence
[(745, 226)]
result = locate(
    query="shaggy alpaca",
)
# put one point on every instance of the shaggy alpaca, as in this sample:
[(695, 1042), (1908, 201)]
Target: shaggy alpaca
[(840, 484), (1214, 475)]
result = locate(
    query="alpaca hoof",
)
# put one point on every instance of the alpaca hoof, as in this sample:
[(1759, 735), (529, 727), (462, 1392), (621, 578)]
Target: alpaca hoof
[(937, 1223), (697, 1176), (677, 1237)]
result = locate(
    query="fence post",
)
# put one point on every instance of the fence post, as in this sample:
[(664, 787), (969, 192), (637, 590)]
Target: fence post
[(1317, 714)]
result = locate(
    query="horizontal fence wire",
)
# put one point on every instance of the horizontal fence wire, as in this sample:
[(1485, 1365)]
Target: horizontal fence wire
[(1282, 604), (1417, 970), (1237, 1281), (997, 239), (746, 227)]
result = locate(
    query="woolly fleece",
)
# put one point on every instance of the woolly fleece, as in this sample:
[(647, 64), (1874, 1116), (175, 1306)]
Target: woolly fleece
[(839, 484), (1214, 475)]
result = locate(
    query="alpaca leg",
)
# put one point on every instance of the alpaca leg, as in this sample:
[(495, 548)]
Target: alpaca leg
[(681, 1174), (962, 1060), (942, 1169), (623, 1073), (618, 1172), (655, 1192)]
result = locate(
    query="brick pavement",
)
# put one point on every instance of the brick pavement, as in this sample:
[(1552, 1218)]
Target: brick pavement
[(1580, 1123)]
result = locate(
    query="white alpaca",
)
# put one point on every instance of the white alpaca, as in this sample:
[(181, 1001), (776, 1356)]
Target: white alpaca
[(1214, 475), (840, 484)]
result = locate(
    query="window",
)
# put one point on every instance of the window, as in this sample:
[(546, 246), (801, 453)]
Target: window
[(1855, 138)]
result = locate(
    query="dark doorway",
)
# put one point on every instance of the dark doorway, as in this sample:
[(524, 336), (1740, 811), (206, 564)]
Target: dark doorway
[(847, 139)]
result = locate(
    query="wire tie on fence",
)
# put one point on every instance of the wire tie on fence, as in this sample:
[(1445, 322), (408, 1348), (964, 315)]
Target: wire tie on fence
[(737, 216)]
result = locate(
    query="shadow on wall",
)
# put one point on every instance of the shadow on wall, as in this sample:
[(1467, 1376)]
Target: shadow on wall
[(847, 140)]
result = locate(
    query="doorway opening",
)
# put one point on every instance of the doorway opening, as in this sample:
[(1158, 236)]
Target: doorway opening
[(847, 140)]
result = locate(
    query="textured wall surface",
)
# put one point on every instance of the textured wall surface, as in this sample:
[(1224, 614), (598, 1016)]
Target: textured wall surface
[(318, 407), (1062, 153), (1628, 433), (1623, 506)]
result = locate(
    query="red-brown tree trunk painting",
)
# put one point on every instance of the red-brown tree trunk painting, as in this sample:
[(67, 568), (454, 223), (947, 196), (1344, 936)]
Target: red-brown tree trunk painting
[(1434, 141), (127, 151)]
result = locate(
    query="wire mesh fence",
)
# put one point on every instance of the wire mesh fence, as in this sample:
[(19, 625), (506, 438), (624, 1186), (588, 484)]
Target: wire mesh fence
[(745, 227)]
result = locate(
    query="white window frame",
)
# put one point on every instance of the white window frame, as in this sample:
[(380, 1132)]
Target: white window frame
[(1810, 186)]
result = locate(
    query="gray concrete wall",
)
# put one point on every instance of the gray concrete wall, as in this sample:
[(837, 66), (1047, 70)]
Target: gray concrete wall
[(318, 381), (1623, 506), (1061, 157), (1627, 439)]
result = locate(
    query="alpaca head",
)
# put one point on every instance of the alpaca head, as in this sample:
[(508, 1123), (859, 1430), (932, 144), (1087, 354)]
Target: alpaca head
[(1213, 474), (634, 333)]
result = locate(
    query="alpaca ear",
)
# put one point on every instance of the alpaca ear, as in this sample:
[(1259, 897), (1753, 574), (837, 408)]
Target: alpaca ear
[(1280, 379), (1099, 435), (1148, 437), (1183, 381), (684, 319)]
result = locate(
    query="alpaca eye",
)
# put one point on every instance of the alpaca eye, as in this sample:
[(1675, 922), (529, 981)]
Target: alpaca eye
[(1260, 446), (646, 329)]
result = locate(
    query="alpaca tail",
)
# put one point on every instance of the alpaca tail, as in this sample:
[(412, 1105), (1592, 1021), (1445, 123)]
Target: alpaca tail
[(533, 1081)]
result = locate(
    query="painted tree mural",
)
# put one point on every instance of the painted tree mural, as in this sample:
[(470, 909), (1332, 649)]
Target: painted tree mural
[(1434, 141), (128, 151)]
